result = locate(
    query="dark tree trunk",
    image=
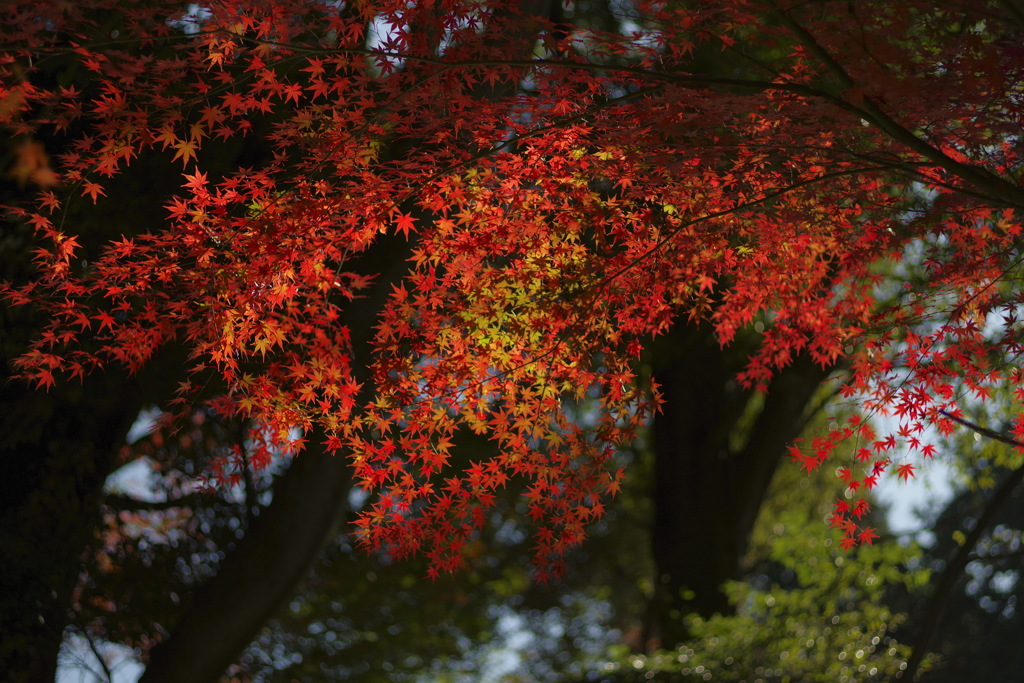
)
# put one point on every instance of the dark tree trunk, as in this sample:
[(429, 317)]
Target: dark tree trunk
[(56, 450), (716, 449), (258, 576), (310, 499)]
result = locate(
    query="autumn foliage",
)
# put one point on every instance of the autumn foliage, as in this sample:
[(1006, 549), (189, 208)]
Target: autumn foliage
[(547, 197)]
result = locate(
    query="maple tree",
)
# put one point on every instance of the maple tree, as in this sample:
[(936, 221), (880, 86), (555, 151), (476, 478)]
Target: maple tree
[(477, 220)]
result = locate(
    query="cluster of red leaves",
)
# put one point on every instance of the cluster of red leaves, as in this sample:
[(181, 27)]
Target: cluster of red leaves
[(563, 202)]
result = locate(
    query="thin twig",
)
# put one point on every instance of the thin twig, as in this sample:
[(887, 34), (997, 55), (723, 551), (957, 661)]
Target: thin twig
[(99, 657)]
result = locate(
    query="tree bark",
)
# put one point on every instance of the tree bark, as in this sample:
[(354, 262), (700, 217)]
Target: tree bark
[(56, 451), (716, 449), (259, 576)]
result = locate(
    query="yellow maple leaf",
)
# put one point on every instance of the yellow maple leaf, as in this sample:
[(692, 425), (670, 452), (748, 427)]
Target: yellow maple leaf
[(186, 149)]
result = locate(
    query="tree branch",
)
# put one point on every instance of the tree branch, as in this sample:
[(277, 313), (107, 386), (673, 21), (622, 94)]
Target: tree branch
[(984, 431), (107, 673), (982, 179)]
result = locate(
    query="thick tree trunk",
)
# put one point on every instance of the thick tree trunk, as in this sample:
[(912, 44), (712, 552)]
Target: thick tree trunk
[(259, 576), (55, 454), (309, 502), (716, 449)]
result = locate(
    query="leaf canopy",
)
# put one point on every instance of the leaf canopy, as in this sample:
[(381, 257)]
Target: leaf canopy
[(547, 198)]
